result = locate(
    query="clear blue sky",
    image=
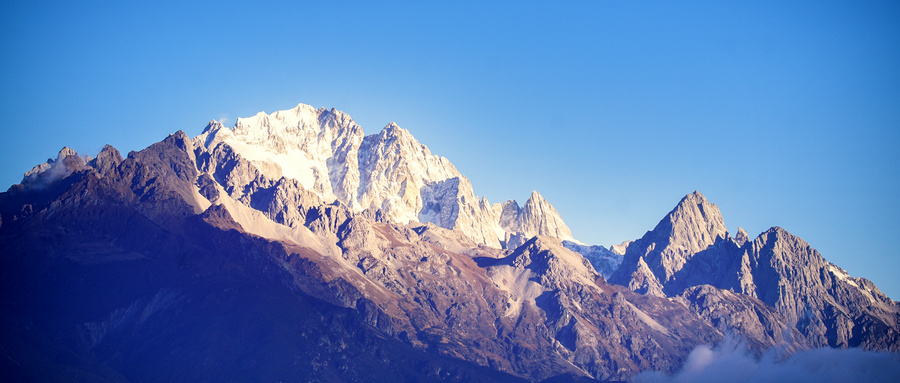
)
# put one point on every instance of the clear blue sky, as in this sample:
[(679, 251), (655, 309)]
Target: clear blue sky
[(782, 113)]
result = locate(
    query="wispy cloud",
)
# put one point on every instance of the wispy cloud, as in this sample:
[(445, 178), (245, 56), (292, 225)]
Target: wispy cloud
[(732, 362)]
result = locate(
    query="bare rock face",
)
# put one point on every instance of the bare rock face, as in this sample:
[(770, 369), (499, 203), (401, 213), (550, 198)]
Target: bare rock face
[(760, 326), (828, 306), (66, 163), (537, 217), (107, 160), (537, 312), (693, 226), (689, 255), (606, 331)]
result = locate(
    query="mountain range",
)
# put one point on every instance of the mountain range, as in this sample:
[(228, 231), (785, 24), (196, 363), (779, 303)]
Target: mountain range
[(292, 247)]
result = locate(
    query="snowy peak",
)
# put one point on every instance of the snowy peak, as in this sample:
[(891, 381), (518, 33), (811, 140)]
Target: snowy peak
[(393, 170), (317, 147), (392, 131), (213, 125), (389, 172)]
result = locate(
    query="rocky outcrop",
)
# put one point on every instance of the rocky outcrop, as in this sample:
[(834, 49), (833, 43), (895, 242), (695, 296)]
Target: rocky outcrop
[(107, 160), (602, 329), (746, 318)]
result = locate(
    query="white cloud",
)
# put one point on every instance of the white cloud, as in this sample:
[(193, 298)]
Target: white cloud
[(732, 362)]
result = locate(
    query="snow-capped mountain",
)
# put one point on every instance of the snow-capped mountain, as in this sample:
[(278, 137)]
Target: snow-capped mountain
[(390, 171), (292, 247)]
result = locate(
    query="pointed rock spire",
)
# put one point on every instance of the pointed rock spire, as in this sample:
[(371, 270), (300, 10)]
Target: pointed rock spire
[(692, 226), (741, 237), (539, 217), (106, 160)]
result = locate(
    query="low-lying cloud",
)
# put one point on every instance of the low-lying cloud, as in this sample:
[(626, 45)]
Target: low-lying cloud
[(732, 362)]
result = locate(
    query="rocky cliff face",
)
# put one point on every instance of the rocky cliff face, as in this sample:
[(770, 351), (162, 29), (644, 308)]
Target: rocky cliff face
[(690, 256), (693, 226), (828, 306)]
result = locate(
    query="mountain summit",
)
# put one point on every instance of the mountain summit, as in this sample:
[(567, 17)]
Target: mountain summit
[(692, 226)]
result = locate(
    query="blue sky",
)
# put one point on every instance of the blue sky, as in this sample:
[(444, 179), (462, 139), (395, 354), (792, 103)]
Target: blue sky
[(782, 113)]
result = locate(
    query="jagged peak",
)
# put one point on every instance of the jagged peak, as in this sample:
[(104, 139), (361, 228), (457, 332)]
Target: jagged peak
[(694, 199), (393, 130), (741, 237), (109, 151), (535, 197), (696, 214), (212, 125), (249, 120), (538, 216), (304, 107), (65, 152), (393, 134), (779, 233), (695, 196), (692, 226)]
